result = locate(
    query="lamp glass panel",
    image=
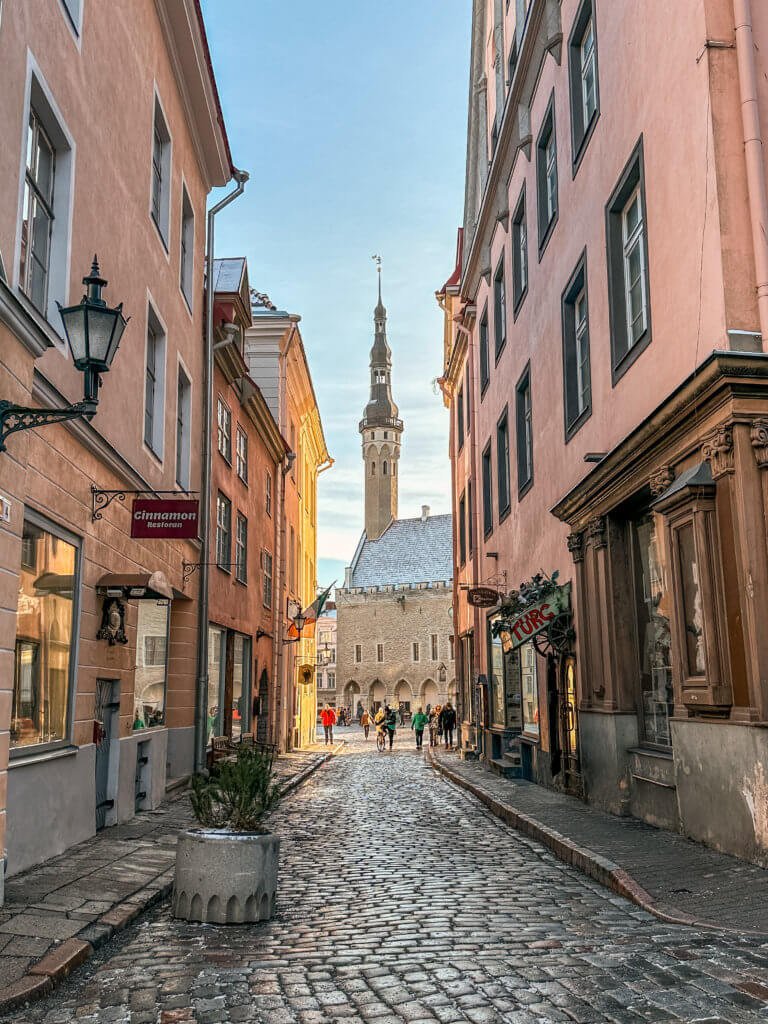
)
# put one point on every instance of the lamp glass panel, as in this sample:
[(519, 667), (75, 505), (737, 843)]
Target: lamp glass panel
[(101, 324), (74, 325)]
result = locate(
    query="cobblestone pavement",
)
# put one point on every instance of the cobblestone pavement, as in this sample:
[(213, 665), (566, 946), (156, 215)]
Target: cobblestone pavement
[(679, 874), (70, 895), (403, 900)]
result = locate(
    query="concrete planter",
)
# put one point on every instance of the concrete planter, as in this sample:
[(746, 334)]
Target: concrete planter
[(225, 877)]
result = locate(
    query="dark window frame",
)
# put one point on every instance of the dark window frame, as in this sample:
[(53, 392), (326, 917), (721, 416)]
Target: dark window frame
[(483, 345), (631, 177), (462, 529), (502, 462), (460, 418), (519, 279), (470, 531), (524, 383), (577, 283), (548, 130), (581, 133), (499, 309), (487, 481)]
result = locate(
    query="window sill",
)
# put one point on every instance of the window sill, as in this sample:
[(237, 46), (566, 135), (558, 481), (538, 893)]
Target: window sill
[(583, 145), (664, 754), (518, 305), (243, 583), (223, 568), (160, 234), (629, 358), (549, 231), (19, 756), (578, 423), (531, 738), (484, 388)]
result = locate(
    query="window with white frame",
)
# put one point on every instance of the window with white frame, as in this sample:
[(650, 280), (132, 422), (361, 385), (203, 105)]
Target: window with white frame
[(73, 10), (500, 308), (241, 549), (519, 253), (268, 494), (223, 532), (187, 248), (576, 371), (38, 215), (634, 267), (154, 385), (224, 430), (267, 567), (583, 79), (161, 173), (434, 646), (524, 432), (183, 432), (627, 250), (43, 239), (242, 455), (546, 175), (415, 651)]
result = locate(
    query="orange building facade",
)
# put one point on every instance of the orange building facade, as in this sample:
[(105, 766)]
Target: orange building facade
[(97, 629), (605, 367)]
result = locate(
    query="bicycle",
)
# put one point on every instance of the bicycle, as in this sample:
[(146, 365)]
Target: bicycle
[(381, 740)]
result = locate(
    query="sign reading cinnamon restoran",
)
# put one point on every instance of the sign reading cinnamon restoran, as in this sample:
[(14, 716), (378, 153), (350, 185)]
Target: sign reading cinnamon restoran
[(163, 519)]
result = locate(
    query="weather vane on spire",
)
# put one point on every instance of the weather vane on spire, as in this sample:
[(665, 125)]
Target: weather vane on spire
[(378, 263)]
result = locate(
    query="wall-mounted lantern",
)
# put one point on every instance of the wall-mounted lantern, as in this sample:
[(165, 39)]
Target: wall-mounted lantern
[(93, 331)]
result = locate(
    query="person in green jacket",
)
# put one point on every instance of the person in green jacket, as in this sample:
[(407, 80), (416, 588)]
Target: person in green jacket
[(418, 722)]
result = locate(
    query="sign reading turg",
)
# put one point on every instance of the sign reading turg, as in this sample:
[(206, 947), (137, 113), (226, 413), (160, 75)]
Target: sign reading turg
[(163, 519), (531, 621)]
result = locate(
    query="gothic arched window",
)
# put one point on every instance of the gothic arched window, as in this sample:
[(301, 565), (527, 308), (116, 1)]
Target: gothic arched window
[(384, 469), (373, 469)]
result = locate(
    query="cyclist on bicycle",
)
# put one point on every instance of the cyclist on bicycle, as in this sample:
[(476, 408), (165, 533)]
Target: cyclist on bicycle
[(379, 721)]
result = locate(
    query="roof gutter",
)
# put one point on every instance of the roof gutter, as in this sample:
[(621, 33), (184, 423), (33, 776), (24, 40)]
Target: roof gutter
[(241, 177)]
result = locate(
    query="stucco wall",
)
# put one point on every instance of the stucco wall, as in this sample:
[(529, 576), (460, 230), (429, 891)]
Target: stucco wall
[(396, 619)]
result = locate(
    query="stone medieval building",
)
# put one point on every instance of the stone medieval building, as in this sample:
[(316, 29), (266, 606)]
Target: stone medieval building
[(395, 626)]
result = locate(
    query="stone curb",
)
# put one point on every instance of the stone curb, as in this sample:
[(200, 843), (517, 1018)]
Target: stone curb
[(43, 976), (592, 864)]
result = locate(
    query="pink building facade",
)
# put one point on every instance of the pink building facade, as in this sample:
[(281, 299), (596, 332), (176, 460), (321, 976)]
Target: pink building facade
[(113, 137), (605, 366)]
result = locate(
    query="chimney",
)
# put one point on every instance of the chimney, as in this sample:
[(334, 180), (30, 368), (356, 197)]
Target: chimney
[(424, 513)]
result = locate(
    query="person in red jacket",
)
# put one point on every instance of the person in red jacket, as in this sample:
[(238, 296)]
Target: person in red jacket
[(328, 718)]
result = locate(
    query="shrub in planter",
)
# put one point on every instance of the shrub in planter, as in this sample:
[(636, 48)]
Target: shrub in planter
[(226, 870)]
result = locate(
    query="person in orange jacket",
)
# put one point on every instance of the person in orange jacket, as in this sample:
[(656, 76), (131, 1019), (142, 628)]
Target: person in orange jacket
[(328, 718)]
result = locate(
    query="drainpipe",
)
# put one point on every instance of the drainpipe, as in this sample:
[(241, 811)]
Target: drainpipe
[(205, 484), (753, 153)]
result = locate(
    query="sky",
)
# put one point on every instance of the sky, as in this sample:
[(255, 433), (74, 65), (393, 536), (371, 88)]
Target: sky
[(350, 117)]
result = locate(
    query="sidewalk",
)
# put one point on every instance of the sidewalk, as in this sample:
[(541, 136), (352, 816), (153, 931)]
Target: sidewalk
[(671, 876), (57, 913)]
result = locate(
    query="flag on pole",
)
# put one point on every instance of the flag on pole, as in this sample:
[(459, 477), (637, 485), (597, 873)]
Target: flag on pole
[(311, 615)]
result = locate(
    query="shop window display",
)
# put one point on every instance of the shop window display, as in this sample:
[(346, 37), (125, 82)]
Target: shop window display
[(530, 689), (151, 664), (45, 619)]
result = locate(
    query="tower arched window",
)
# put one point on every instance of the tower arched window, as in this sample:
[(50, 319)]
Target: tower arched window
[(384, 469), (373, 469)]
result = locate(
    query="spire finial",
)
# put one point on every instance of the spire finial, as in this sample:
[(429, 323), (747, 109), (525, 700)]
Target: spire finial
[(380, 306)]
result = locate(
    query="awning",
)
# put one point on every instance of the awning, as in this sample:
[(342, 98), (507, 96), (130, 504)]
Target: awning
[(140, 586)]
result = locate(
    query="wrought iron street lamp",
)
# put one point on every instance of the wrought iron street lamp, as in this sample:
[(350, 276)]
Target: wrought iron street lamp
[(93, 331), (299, 621)]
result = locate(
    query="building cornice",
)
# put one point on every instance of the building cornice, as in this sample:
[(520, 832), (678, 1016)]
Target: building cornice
[(719, 378), (24, 327), (184, 34), (543, 34)]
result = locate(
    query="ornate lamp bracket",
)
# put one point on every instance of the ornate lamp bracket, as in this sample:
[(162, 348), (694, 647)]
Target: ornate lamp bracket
[(18, 417)]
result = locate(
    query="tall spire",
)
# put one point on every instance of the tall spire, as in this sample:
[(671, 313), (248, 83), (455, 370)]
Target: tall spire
[(381, 430)]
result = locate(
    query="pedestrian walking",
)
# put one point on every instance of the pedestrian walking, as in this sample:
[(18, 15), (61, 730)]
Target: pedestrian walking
[(448, 722), (418, 722), (328, 718), (434, 726), (365, 721), (391, 725)]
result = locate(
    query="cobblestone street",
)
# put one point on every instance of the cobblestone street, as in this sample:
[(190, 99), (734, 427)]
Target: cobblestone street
[(402, 899)]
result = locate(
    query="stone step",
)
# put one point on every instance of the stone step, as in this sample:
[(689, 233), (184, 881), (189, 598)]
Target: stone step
[(506, 768)]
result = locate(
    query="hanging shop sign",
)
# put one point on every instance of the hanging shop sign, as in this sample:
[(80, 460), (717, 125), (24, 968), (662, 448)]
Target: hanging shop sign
[(164, 518), (483, 597), (306, 674), (531, 621)]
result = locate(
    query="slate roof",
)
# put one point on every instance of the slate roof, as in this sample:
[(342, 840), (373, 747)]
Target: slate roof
[(409, 551)]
